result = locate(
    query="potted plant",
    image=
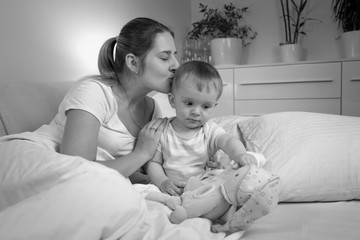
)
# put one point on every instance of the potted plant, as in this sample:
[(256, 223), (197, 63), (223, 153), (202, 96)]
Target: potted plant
[(294, 18), (347, 14), (226, 30)]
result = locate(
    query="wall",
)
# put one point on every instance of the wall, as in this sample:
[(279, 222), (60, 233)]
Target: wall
[(320, 43), (59, 39)]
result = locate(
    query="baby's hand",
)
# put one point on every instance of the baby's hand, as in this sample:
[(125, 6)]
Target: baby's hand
[(212, 163), (220, 160), (172, 188), (249, 158)]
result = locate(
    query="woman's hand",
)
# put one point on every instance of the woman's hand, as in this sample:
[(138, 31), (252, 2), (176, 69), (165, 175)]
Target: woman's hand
[(172, 188), (149, 136)]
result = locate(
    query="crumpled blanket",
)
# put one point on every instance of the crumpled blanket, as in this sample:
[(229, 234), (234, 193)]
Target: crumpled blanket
[(47, 195)]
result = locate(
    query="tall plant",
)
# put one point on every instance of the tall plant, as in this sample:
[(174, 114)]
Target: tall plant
[(293, 14), (347, 14)]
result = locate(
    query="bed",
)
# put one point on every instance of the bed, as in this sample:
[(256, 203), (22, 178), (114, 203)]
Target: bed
[(316, 156)]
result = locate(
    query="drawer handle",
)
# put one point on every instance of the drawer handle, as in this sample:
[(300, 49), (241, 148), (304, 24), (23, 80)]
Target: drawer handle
[(286, 82), (355, 80)]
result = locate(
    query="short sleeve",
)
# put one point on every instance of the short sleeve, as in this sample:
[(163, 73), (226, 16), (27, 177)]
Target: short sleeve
[(91, 96), (157, 111), (212, 132)]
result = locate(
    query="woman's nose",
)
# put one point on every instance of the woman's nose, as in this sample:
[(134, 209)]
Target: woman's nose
[(174, 66)]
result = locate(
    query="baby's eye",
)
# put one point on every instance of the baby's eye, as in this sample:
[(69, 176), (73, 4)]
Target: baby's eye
[(207, 107), (188, 103)]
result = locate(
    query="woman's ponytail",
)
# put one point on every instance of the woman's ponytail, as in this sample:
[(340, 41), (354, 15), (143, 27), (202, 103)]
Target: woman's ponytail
[(106, 63)]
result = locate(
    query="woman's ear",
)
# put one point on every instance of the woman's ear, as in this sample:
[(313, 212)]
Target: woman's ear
[(132, 62), (171, 100)]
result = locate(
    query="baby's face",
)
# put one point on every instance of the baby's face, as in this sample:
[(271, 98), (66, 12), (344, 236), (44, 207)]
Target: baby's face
[(193, 107)]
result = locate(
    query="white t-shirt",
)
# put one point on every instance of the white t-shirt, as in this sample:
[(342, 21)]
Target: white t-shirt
[(186, 157), (97, 98)]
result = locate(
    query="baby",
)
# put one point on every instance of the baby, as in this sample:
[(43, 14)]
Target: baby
[(189, 140)]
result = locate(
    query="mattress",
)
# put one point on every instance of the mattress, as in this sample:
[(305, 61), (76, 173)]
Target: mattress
[(310, 221)]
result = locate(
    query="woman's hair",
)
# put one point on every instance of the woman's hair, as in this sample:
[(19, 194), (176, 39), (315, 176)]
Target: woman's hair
[(203, 75), (136, 37)]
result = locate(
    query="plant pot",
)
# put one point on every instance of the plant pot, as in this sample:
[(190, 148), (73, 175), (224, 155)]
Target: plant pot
[(291, 52), (226, 51), (351, 44)]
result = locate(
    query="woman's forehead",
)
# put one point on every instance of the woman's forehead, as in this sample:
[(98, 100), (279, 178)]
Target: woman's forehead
[(164, 42)]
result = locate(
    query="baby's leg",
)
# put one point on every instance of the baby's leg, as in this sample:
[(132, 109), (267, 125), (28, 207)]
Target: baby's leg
[(166, 199)]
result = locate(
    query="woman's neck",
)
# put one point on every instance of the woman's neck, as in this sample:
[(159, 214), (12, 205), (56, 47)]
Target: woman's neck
[(132, 102)]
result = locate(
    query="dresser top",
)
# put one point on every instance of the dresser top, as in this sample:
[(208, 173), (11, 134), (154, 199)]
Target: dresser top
[(282, 63)]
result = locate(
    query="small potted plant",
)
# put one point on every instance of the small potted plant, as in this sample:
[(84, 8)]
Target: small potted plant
[(347, 14), (226, 30), (294, 18)]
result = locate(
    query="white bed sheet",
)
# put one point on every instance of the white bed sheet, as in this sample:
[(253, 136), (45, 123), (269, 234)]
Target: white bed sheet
[(46, 195), (309, 221), (60, 204)]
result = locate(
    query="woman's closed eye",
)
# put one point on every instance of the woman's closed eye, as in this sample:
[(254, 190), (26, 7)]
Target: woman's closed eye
[(164, 56)]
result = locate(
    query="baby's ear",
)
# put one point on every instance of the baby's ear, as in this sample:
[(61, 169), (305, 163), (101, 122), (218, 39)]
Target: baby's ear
[(171, 100)]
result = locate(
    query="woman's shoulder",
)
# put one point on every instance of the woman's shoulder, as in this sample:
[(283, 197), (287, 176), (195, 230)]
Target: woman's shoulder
[(93, 85), (94, 81), (90, 94)]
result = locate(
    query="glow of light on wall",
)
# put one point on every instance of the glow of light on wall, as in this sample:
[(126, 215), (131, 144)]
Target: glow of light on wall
[(85, 49)]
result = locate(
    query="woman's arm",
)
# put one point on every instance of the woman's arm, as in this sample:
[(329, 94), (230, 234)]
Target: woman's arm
[(80, 134), (81, 139)]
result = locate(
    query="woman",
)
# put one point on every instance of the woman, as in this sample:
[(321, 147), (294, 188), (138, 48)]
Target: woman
[(103, 116), (144, 61), (110, 116)]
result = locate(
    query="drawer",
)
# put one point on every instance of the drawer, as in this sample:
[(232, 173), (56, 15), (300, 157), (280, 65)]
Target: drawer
[(317, 80), (260, 107), (351, 89), (226, 102)]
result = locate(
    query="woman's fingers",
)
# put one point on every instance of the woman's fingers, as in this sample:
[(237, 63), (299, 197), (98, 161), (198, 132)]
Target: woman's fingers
[(161, 126), (157, 124)]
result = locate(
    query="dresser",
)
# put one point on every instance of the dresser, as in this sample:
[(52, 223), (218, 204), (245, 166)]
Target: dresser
[(325, 87)]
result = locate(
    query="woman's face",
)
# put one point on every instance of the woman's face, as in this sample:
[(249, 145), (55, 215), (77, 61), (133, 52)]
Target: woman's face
[(160, 63)]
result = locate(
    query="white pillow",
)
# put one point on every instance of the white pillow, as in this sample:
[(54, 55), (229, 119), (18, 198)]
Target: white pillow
[(230, 123), (316, 156)]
